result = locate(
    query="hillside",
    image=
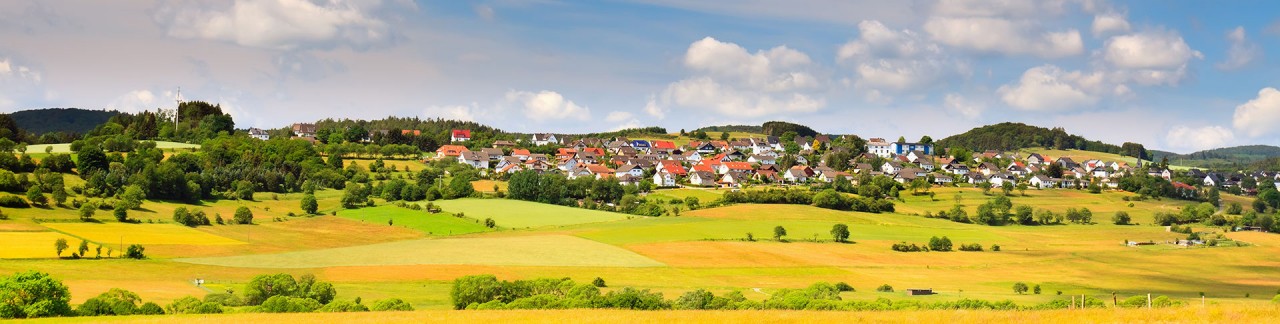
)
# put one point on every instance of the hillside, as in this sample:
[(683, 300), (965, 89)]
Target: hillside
[(732, 128), (1014, 136), (68, 120), (1222, 158)]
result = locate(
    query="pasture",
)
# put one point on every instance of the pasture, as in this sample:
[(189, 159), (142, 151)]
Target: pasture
[(31, 245), (523, 214), (147, 234), (441, 224), (542, 250)]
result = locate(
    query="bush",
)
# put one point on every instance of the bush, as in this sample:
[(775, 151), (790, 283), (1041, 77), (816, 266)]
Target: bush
[(33, 294), (598, 282), (13, 202), (243, 215), (150, 308), (842, 286), (111, 303), (884, 288), (975, 247), (1121, 218), (135, 251), (391, 304), (191, 305), (288, 304), (225, 299), (904, 247), (343, 307)]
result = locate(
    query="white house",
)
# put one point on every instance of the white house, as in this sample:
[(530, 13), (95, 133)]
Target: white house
[(631, 169), (474, 159), (664, 179), (879, 147), (795, 176), (890, 167), (544, 139), (702, 178), (460, 135), (259, 134), (762, 160)]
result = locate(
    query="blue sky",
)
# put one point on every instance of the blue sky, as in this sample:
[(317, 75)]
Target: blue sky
[(1173, 75)]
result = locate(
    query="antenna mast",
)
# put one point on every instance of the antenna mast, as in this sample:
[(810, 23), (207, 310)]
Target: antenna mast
[(177, 111)]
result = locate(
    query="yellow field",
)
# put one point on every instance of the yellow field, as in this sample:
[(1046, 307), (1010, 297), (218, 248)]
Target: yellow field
[(543, 250), (1212, 314), (141, 234), (26, 245)]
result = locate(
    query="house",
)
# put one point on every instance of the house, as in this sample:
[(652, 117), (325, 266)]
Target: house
[(1000, 179), (1035, 159), (304, 130), (541, 139), (729, 167), (975, 178), (987, 168), (1042, 181), (523, 154), (1066, 163), (506, 161), (1213, 180), (664, 179), (672, 166), (958, 169), (702, 178), (492, 153), (631, 169), (891, 167), (578, 173), (762, 159), (258, 133), (735, 178), (703, 148), (879, 147), (916, 157), (663, 145), (1016, 168), (503, 144), (459, 135), (691, 157), (919, 291), (640, 145), (794, 175), (943, 179), (568, 164), (599, 171), (735, 156), (451, 150), (928, 166), (628, 180), (900, 148), (831, 175), (510, 168), (474, 159)]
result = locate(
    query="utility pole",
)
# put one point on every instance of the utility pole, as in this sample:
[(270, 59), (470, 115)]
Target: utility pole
[(177, 108)]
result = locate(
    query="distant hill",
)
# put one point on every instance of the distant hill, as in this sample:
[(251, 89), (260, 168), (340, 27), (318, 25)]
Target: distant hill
[(1222, 158), (67, 120), (777, 128), (1014, 136), (732, 128)]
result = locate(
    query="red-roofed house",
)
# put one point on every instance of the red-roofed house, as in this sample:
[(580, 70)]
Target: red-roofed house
[(704, 168), (459, 135), (451, 150), (735, 167), (523, 154), (598, 151), (664, 145), (672, 166)]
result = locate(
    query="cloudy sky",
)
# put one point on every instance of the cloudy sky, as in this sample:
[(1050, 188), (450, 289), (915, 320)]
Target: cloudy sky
[(1175, 75)]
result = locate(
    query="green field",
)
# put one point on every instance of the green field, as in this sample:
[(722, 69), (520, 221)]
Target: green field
[(523, 214), (542, 250), (704, 195), (441, 224), (66, 147)]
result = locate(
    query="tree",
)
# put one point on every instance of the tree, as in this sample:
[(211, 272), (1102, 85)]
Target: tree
[(243, 215), (1022, 189), (121, 213), (1214, 197), (1036, 289), (135, 251), (36, 197), (87, 210), (244, 190), (1234, 209), (779, 232), (840, 232), (132, 197), (84, 247), (1023, 215), (1019, 288), (1121, 218), (724, 136), (309, 204), (33, 294), (598, 282), (986, 187), (61, 245)]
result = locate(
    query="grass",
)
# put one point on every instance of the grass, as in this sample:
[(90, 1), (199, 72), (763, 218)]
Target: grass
[(523, 214), (487, 185), (1212, 314), (543, 250), (66, 147), (704, 195), (441, 224), (29, 245), (146, 234)]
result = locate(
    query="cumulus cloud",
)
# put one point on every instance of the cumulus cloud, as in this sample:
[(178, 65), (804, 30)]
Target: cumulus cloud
[(729, 80), (458, 112), (547, 105), (1150, 57), (1004, 36), (960, 105), (653, 109), (140, 100), (1242, 51), (282, 24), (1260, 115), (1048, 87), (1111, 22), (1199, 138), (617, 116), (21, 84), (898, 61)]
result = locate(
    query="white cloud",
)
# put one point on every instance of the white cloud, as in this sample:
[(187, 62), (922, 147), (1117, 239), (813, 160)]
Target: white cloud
[(140, 100), (1151, 57), (20, 85), (653, 109), (1242, 51), (1111, 22), (966, 108), (1048, 87), (1259, 116), (731, 81), (282, 24), (458, 112), (992, 8), (1004, 36), (1199, 138), (899, 61), (547, 105), (617, 116)]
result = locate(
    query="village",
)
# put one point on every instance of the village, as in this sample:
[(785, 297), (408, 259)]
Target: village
[(735, 163)]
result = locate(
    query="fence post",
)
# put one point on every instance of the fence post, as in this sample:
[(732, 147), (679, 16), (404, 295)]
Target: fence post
[(1148, 300)]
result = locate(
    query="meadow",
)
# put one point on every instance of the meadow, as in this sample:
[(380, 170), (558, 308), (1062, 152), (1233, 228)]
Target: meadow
[(440, 224), (523, 214)]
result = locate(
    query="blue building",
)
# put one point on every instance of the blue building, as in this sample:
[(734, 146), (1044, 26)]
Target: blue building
[(640, 145), (904, 148)]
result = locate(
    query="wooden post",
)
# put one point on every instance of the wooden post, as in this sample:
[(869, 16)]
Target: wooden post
[(1073, 302), (1148, 300), (1201, 300)]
